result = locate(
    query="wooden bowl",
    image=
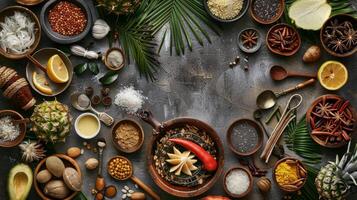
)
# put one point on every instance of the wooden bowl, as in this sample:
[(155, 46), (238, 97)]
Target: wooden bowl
[(240, 14), (141, 136), (22, 127), (273, 50), (42, 56), (29, 3), (274, 177), (309, 118), (255, 126), (105, 60), (9, 11), (68, 162), (250, 184), (124, 158), (339, 17), (272, 20)]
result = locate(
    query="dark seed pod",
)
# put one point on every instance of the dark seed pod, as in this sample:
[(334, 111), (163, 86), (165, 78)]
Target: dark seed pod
[(89, 91), (96, 100), (105, 91), (107, 101)]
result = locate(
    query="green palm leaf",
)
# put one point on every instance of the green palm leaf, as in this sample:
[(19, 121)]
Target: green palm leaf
[(309, 191), (297, 139)]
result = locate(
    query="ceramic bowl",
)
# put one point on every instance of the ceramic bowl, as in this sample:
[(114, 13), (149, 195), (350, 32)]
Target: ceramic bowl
[(250, 187), (270, 21), (254, 48), (43, 55), (240, 14), (56, 37), (309, 116), (284, 188), (29, 3), (141, 136), (252, 124), (9, 11), (15, 115), (68, 162), (77, 129), (340, 17)]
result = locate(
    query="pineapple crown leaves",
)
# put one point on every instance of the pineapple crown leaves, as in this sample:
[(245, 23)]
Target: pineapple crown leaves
[(347, 165)]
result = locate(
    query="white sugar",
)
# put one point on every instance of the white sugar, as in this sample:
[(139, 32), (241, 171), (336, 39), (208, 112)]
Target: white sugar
[(237, 182)]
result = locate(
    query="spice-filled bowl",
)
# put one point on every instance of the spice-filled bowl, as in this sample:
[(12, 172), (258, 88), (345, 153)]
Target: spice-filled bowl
[(238, 182), (11, 134), (283, 39), (70, 29), (331, 120), (128, 136), (232, 11), (57, 177), (15, 47), (244, 137), (289, 174), (87, 125), (57, 64), (266, 11), (338, 35), (249, 40), (120, 168), (114, 58)]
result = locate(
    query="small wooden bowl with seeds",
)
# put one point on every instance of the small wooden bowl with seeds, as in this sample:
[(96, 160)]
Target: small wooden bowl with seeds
[(266, 12), (298, 169), (128, 136)]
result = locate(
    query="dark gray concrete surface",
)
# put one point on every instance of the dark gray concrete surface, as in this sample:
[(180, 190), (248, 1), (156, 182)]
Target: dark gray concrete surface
[(199, 84)]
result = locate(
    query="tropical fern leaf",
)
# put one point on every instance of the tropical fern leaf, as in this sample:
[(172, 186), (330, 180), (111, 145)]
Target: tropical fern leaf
[(308, 192), (184, 18), (297, 139)]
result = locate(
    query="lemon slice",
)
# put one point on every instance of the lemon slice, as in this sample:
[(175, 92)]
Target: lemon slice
[(40, 82), (57, 70), (332, 75)]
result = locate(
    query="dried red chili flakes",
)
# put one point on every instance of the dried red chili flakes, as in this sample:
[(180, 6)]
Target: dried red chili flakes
[(67, 19)]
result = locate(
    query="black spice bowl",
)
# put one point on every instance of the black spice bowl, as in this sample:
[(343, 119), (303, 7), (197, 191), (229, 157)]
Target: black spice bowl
[(240, 14), (56, 37), (249, 40)]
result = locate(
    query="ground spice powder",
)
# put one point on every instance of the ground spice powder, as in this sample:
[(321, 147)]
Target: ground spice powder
[(286, 174)]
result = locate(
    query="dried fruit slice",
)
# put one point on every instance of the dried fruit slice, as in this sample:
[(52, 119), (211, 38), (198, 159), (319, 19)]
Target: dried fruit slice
[(41, 83), (57, 70), (310, 14), (332, 75)]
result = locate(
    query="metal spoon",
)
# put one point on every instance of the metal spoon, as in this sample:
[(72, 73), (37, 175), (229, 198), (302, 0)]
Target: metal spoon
[(100, 182), (82, 102), (267, 99), (279, 73)]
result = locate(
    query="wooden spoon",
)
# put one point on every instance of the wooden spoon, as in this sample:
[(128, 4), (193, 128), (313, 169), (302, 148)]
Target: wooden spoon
[(36, 63), (279, 73)]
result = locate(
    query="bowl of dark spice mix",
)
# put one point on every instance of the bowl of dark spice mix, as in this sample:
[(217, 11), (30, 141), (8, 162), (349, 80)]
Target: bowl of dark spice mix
[(266, 11), (128, 136), (244, 137), (66, 22), (226, 10), (249, 40), (283, 39), (339, 35)]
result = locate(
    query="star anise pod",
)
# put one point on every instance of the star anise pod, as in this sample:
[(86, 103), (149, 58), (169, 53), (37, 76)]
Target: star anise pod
[(350, 38), (335, 27), (338, 45), (249, 38)]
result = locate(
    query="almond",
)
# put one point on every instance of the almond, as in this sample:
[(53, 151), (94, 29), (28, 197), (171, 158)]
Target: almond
[(74, 152)]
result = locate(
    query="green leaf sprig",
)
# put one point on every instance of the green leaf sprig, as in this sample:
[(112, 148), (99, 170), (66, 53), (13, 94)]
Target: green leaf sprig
[(81, 68), (109, 78)]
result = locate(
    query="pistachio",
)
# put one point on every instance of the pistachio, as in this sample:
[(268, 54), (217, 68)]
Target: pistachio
[(74, 152), (91, 163)]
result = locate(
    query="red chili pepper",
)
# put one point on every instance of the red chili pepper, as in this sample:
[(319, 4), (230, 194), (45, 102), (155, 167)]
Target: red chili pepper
[(210, 164)]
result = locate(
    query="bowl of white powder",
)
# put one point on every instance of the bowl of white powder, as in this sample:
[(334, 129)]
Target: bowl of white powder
[(238, 182)]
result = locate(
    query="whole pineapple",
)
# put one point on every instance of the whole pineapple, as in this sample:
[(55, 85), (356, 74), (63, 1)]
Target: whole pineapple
[(119, 7), (335, 179), (51, 121)]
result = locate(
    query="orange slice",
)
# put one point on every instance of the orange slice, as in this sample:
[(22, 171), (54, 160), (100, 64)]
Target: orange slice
[(332, 75)]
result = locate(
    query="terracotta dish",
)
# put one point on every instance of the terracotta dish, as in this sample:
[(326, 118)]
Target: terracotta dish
[(141, 136)]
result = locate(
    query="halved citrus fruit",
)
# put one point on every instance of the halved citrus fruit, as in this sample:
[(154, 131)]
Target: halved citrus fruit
[(332, 75), (41, 83), (57, 70)]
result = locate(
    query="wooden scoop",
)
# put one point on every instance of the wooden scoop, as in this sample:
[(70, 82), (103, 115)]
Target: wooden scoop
[(279, 73)]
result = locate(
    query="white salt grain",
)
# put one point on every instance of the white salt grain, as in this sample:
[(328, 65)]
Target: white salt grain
[(8, 131), (237, 182), (129, 99)]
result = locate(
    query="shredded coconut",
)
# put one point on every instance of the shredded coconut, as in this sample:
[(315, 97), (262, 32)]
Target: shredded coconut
[(129, 99), (8, 131)]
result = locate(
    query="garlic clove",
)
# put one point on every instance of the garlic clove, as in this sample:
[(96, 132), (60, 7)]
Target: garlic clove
[(100, 29)]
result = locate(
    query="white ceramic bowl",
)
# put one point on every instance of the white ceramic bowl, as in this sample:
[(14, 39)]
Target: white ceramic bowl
[(77, 129)]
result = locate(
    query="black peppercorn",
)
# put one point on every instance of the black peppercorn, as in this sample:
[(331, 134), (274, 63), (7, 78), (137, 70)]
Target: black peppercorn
[(107, 101), (105, 91), (96, 100), (89, 91)]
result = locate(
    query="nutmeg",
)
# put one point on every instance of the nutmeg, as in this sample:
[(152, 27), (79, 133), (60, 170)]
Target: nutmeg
[(264, 184)]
